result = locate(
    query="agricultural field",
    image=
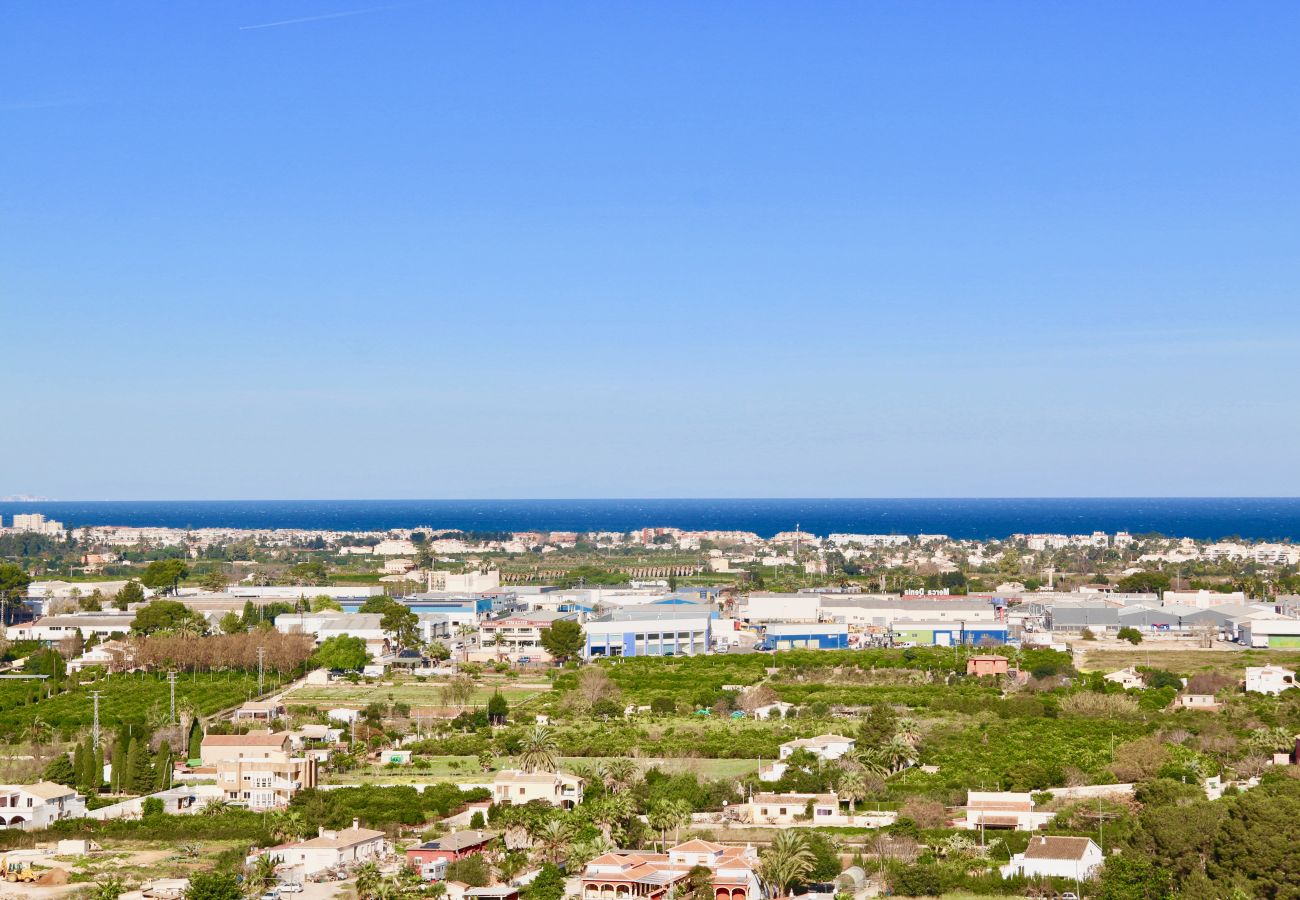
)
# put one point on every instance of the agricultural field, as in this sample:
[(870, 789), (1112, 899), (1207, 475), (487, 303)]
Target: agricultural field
[(466, 769), (1231, 660), (410, 692), (141, 698)]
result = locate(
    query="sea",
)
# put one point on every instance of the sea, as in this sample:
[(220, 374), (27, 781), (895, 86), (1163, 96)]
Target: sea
[(1254, 518)]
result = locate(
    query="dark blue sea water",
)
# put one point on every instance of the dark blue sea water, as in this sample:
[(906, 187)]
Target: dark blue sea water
[(1205, 518)]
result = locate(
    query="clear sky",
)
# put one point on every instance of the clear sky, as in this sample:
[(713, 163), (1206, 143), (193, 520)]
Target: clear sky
[(341, 248)]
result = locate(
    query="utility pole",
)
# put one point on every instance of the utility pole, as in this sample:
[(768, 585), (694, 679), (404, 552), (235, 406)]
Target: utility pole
[(94, 730), (261, 658), (171, 685)]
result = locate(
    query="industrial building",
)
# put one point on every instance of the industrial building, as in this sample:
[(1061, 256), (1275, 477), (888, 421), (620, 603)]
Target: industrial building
[(798, 636), (651, 630)]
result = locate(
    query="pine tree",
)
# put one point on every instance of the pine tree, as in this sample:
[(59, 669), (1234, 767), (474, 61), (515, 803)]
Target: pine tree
[(60, 771)]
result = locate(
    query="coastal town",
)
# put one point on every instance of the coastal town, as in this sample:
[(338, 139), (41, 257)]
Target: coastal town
[(658, 713)]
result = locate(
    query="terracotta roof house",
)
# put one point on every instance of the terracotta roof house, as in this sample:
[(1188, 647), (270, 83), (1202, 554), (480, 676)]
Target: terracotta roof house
[(627, 874)]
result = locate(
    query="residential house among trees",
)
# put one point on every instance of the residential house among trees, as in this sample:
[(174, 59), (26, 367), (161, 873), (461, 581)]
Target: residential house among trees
[(623, 875), (35, 806), (1056, 857), (513, 787)]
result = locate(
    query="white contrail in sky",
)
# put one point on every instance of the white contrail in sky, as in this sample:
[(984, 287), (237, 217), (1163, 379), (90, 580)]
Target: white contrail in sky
[(334, 15)]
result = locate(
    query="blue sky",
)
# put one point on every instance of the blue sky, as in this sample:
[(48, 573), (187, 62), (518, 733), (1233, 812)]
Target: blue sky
[(441, 249)]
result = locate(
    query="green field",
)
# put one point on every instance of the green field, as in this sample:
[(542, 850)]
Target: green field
[(465, 769), (134, 698), (412, 692), (1186, 662)]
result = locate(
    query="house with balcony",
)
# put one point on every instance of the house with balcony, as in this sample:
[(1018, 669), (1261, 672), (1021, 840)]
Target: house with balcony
[(39, 805), (513, 787), (258, 770), (624, 874)]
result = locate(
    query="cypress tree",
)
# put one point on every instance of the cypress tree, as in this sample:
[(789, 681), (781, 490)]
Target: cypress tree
[(99, 767), (196, 740), (79, 766), (89, 781), (132, 765), (163, 766), (141, 767), (116, 781)]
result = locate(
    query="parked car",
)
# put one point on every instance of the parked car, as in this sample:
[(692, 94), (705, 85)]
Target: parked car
[(291, 887)]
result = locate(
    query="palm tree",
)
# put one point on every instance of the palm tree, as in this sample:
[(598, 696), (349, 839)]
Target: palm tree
[(260, 875), (868, 762), (617, 773), (909, 730), (287, 825), (553, 839), (387, 889), (787, 862), (368, 879), (853, 787), (898, 753), (540, 751), (215, 807)]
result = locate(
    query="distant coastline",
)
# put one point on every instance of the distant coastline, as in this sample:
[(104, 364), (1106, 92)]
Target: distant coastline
[(1272, 519)]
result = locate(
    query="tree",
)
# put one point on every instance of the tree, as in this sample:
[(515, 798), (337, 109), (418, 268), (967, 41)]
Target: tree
[(231, 623), (214, 581), (152, 808), (117, 779), (788, 861), (164, 575), (60, 770), (325, 602), (548, 885), (1130, 634), (497, 708), (699, 884), (661, 817), (438, 652), (853, 787), (595, 688), (131, 593), (563, 640), (92, 602), (472, 870), (402, 624), (540, 751), (260, 876), (343, 651), (1132, 876), (552, 839), (213, 886), (368, 880), (1144, 583), (14, 582), (167, 616)]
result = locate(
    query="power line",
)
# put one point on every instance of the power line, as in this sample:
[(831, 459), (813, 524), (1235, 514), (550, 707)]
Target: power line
[(94, 730)]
